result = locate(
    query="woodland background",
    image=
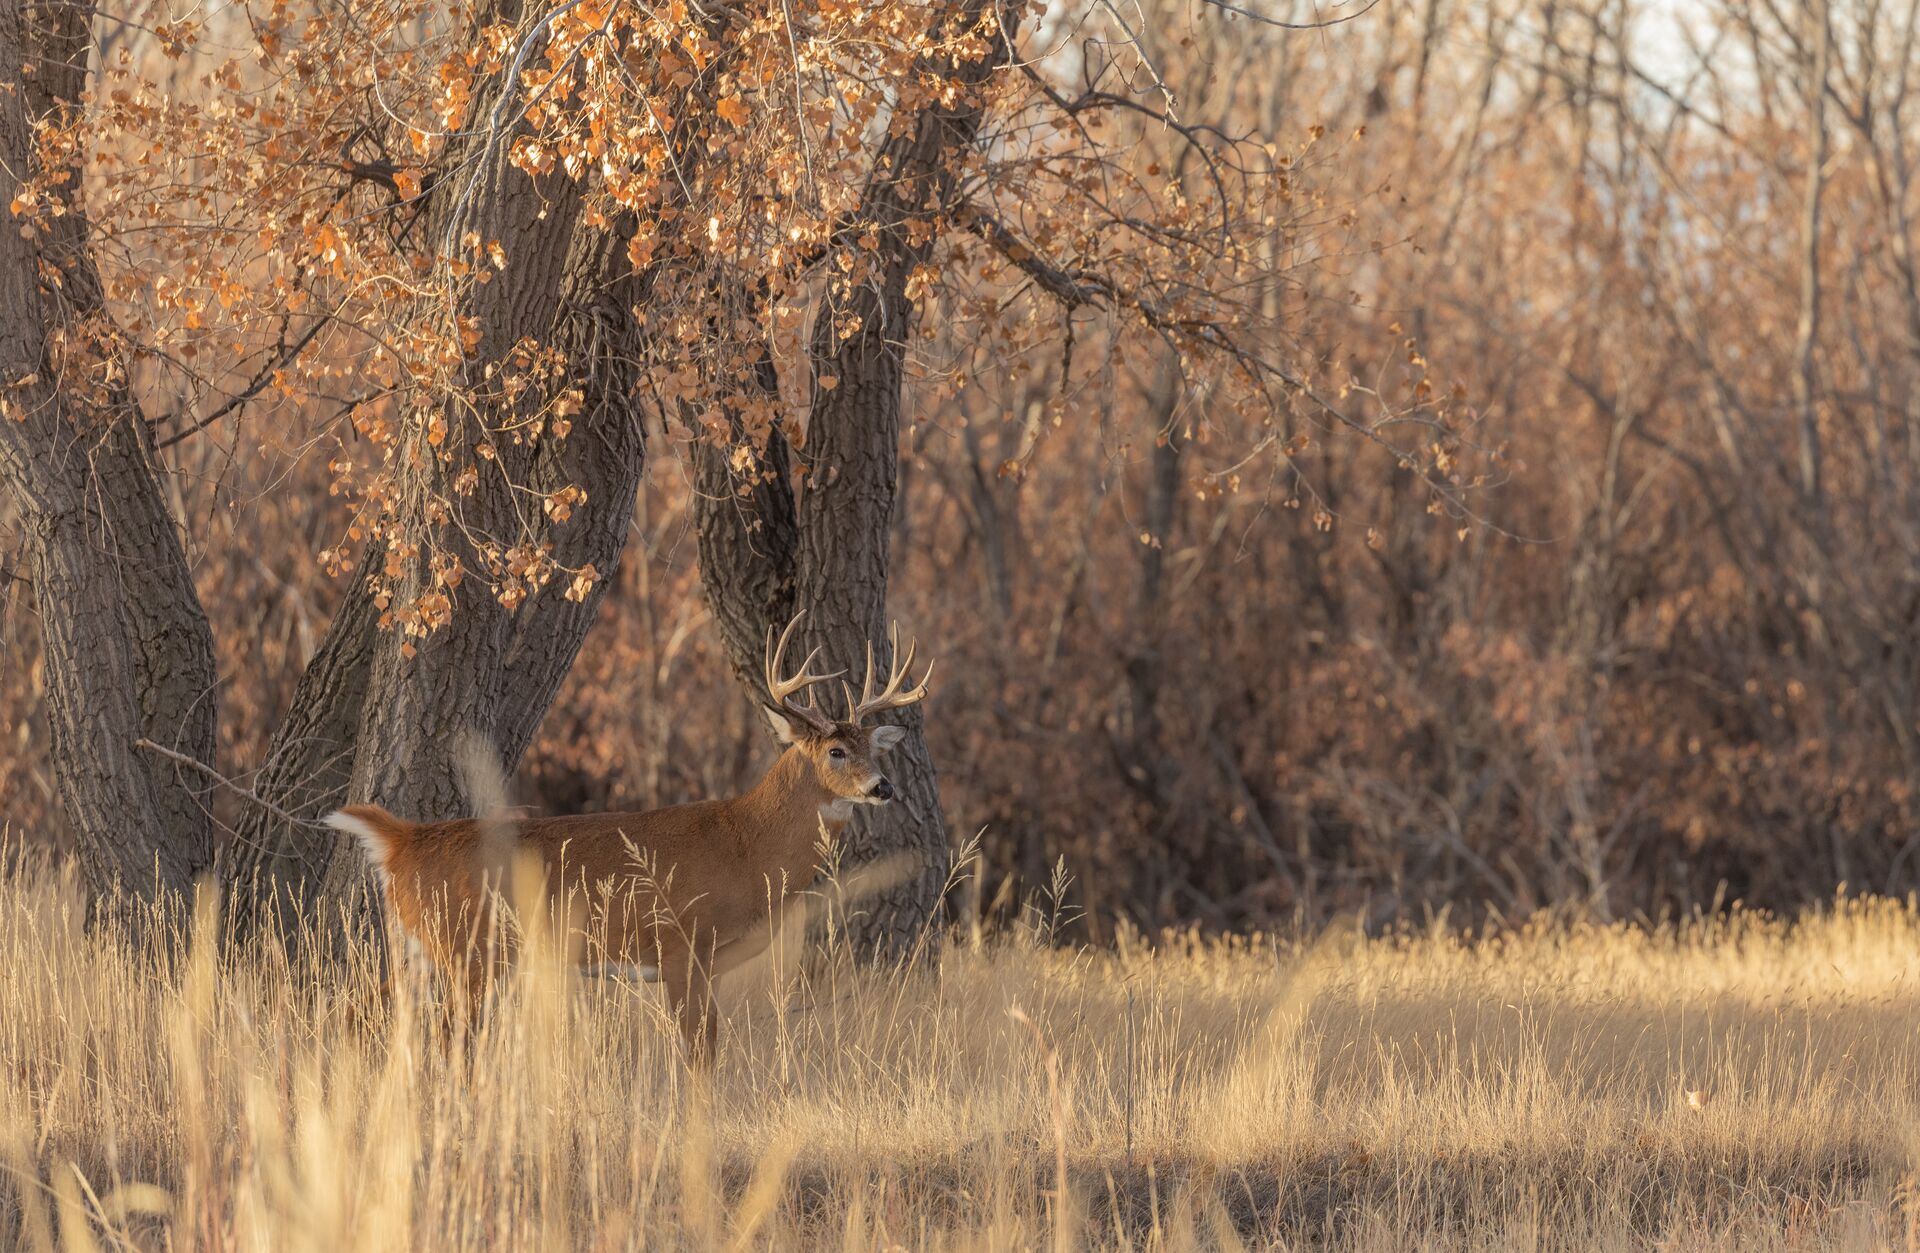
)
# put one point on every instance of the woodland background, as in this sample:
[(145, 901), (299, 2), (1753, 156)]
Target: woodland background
[(1658, 650)]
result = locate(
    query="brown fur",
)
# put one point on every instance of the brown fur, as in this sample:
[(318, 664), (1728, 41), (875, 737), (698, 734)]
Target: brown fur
[(695, 902)]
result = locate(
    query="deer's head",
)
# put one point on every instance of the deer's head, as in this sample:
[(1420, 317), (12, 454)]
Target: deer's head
[(843, 752)]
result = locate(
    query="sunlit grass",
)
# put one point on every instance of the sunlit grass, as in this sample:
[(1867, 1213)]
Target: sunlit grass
[(1735, 1084)]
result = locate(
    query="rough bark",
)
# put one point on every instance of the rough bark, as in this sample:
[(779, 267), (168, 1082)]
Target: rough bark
[(842, 520), (128, 649), (604, 456), (749, 541), (414, 736), (274, 865)]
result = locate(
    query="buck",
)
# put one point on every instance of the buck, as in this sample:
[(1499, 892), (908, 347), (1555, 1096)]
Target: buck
[(680, 894)]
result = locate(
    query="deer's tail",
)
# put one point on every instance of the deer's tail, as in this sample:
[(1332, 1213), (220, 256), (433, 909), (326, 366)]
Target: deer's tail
[(379, 832)]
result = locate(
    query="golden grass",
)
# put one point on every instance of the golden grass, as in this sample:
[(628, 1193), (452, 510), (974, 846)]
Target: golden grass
[(1736, 1084)]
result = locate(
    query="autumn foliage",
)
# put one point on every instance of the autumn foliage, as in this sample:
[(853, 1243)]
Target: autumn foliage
[(1443, 458)]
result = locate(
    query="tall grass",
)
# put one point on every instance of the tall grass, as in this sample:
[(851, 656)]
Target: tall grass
[(1735, 1083)]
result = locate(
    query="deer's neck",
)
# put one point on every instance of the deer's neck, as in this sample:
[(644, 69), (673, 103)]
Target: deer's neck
[(785, 810)]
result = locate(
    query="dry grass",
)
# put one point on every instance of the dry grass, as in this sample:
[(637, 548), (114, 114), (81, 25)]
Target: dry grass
[(1744, 1084)]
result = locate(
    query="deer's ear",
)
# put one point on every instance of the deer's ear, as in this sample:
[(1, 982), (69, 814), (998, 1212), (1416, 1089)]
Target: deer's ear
[(783, 728), (888, 736)]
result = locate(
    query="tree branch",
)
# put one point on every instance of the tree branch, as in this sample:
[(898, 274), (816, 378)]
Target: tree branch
[(224, 781), (283, 357), (1274, 21)]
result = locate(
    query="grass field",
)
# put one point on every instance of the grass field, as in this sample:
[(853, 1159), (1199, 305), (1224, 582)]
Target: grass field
[(1735, 1084)]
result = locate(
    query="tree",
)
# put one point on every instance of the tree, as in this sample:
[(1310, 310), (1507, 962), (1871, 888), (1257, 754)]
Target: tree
[(127, 645), (932, 211), (400, 724), (766, 551)]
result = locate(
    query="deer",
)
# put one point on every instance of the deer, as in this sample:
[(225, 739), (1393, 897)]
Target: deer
[(678, 895)]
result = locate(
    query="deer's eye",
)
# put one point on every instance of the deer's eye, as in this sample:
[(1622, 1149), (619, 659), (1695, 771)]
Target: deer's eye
[(838, 754)]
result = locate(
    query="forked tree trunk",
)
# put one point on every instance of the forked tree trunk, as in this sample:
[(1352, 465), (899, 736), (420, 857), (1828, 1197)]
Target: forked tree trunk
[(370, 724), (128, 650)]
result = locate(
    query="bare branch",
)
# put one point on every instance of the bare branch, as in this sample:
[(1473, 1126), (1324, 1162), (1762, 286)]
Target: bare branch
[(1265, 20), (242, 792)]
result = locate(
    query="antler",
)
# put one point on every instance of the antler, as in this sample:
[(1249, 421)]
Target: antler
[(890, 697), (783, 690)]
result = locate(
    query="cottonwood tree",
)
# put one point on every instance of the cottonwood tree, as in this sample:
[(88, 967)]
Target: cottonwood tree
[(527, 417), (128, 651), (478, 254), (987, 169)]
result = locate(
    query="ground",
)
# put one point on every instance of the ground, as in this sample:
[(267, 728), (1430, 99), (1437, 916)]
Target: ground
[(1737, 1083)]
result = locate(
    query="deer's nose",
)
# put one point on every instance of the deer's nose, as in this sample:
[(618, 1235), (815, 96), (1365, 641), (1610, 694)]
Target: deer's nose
[(881, 791)]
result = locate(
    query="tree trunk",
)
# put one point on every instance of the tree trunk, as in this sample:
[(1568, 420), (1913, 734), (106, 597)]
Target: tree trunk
[(414, 736), (128, 649), (749, 541), (841, 522), (274, 867), (369, 723)]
